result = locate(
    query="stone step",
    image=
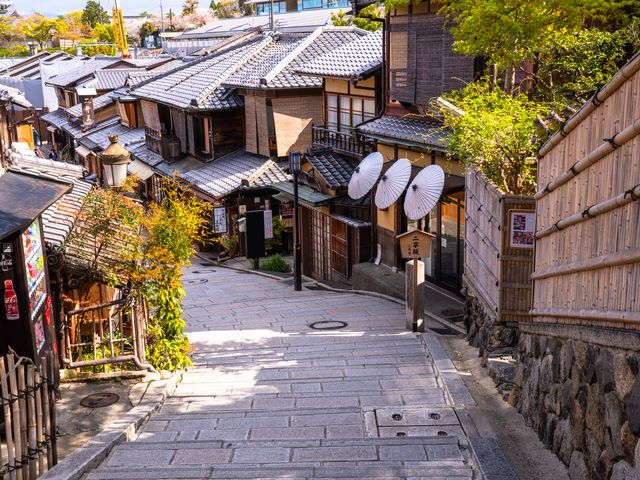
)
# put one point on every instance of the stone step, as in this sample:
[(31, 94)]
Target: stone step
[(343, 472), (293, 443)]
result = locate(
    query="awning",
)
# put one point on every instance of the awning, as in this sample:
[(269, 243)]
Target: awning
[(306, 195), (23, 198), (139, 169), (83, 151)]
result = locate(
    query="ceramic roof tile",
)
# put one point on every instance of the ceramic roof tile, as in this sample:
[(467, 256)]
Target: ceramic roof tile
[(411, 129), (85, 69), (56, 118), (99, 102), (352, 60), (224, 175), (334, 169), (109, 79), (276, 66), (146, 156), (197, 85), (75, 129), (127, 137)]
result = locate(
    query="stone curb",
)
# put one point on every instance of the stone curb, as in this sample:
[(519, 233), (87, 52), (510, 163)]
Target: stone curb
[(447, 374), (95, 450), (490, 459)]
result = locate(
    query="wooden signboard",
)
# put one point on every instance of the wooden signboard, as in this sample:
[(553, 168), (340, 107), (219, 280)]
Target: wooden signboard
[(415, 244)]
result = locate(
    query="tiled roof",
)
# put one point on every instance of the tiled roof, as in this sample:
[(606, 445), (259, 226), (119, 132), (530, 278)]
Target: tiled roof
[(307, 20), (128, 137), (57, 118), (98, 103), (276, 65), (85, 69), (352, 60), (197, 85), (141, 75), (58, 219), (225, 175), (410, 129), (29, 68), (146, 156), (75, 129), (334, 169), (109, 79)]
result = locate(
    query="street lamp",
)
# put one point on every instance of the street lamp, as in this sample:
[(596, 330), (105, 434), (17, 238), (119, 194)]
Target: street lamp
[(294, 168), (114, 161)]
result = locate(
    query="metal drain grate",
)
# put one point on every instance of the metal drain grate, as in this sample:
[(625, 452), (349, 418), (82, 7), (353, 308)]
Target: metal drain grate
[(203, 272), (196, 281), (98, 400)]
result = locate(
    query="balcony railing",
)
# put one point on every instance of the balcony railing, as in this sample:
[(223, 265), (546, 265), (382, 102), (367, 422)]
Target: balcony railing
[(341, 142)]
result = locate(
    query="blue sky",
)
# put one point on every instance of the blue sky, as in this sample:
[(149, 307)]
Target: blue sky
[(129, 7)]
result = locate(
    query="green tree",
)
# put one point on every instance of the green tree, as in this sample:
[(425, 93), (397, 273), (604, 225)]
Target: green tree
[(41, 29), (157, 245), (9, 30), (104, 33), (497, 132), (225, 8), (189, 7), (507, 32), (366, 18), (93, 14), (147, 29)]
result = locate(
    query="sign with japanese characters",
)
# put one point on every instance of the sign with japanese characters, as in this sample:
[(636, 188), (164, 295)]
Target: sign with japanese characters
[(219, 220), (415, 244)]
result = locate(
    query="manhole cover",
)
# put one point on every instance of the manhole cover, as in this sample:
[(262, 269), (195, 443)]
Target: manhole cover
[(203, 272), (328, 325), (196, 281), (97, 400)]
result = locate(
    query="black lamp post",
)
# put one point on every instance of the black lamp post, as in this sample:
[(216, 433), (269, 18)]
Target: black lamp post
[(294, 168)]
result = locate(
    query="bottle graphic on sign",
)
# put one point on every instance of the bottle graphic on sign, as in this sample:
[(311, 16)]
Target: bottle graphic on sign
[(10, 301)]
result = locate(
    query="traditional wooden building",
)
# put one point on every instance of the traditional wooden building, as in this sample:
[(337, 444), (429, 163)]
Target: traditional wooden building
[(414, 75), (577, 376)]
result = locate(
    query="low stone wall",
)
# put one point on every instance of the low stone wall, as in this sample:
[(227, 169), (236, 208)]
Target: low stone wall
[(483, 330), (579, 388)]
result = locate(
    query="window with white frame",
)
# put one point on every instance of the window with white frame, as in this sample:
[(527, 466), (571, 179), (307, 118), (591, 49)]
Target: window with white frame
[(344, 112)]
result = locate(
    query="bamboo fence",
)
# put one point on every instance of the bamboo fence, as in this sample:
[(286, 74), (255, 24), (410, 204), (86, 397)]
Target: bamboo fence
[(587, 264), (499, 274), (28, 409)]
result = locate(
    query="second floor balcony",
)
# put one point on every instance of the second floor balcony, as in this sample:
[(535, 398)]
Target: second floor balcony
[(340, 142)]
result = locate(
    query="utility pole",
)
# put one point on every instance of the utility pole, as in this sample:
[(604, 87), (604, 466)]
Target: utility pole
[(271, 16), (170, 20), (161, 18)]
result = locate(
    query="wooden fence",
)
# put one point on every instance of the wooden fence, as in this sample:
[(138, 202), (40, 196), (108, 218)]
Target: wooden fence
[(498, 271), (28, 410), (587, 266)]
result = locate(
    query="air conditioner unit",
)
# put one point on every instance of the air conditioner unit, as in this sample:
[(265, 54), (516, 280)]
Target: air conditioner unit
[(171, 149)]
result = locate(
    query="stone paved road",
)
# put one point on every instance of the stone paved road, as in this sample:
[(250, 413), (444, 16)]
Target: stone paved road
[(269, 397)]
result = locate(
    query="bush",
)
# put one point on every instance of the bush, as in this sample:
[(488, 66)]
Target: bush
[(275, 263), (276, 244), (16, 51)]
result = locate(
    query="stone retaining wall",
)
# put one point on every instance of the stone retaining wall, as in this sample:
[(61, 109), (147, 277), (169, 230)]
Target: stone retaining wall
[(483, 331), (581, 393)]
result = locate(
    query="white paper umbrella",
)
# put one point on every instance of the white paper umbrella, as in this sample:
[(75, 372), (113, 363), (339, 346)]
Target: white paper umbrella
[(365, 175), (423, 193), (393, 183)]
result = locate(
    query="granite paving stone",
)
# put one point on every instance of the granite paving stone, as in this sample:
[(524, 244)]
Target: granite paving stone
[(268, 397)]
